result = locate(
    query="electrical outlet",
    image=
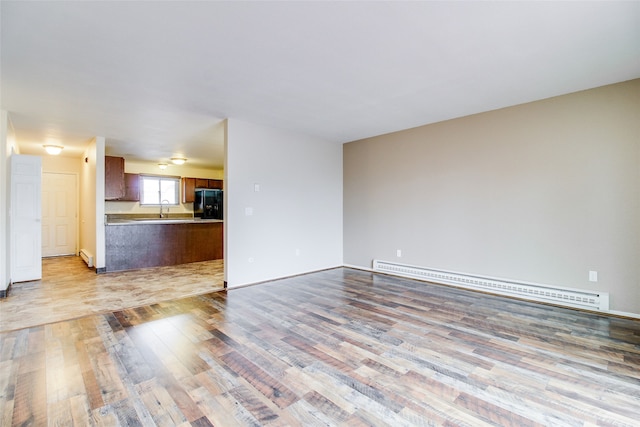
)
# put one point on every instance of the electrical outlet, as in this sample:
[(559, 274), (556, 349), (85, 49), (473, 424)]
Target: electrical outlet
[(593, 276)]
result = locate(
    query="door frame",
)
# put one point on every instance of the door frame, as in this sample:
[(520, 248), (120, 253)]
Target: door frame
[(76, 205)]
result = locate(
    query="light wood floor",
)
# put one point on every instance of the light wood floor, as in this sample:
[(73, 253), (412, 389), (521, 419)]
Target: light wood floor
[(69, 289), (339, 347)]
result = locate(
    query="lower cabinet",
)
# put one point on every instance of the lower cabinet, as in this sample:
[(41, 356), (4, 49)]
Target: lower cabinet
[(132, 246)]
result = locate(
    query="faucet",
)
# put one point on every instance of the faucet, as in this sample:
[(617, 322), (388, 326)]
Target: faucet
[(161, 214)]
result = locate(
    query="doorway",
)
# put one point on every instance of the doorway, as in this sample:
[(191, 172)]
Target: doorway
[(59, 214)]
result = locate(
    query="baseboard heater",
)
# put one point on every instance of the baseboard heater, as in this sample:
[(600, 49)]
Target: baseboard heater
[(575, 298), (86, 257)]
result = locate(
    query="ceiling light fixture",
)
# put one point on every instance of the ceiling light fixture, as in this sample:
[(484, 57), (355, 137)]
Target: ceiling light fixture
[(178, 160), (54, 150), (162, 166)]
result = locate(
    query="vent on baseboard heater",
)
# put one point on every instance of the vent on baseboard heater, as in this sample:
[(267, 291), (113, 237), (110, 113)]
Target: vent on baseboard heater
[(576, 298), (86, 257)]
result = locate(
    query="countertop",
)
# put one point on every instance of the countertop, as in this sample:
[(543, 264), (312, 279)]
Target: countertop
[(160, 221)]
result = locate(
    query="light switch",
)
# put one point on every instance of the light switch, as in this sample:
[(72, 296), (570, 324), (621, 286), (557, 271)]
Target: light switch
[(248, 211), (593, 276), (256, 187)]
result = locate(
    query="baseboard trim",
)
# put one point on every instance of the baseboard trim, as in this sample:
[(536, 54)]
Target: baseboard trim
[(101, 270), (607, 313), (282, 278)]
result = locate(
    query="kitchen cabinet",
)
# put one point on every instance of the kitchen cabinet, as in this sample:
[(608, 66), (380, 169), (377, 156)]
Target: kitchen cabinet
[(202, 183), (189, 186), (188, 190), (131, 187), (113, 178), (133, 246), (215, 184)]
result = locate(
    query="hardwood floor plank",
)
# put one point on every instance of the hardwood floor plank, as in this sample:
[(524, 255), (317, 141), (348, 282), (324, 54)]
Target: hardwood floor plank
[(202, 422), (304, 414), (59, 413), (163, 364), (223, 409), (30, 402), (327, 407), (80, 411), (492, 413), (337, 347), (159, 404), (70, 290), (264, 383), (92, 389), (306, 380), (254, 403)]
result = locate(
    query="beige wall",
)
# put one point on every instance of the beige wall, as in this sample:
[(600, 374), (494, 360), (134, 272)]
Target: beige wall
[(57, 164), (88, 208), (541, 192)]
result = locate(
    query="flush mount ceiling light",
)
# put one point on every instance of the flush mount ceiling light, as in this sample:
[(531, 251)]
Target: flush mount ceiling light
[(162, 166), (53, 149), (178, 160)]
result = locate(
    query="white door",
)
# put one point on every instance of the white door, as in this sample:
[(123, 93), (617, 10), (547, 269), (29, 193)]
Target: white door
[(25, 220), (59, 219)]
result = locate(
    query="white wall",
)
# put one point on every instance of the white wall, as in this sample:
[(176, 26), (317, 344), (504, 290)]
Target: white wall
[(296, 226), (5, 153), (8, 146), (542, 192)]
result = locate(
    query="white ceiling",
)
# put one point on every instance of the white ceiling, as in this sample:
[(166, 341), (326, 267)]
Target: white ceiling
[(157, 78)]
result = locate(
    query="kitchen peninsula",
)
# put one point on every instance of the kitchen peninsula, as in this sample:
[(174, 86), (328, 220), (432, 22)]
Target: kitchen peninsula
[(139, 242)]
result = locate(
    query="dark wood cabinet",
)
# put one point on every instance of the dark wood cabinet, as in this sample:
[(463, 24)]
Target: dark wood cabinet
[(209, 183), (215, 184), (131, 187), (136, 246), (189, 186), (188, 190), (113, 178), (202, 183)]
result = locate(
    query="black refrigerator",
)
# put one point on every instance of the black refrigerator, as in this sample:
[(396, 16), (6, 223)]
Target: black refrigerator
[(208, 204)]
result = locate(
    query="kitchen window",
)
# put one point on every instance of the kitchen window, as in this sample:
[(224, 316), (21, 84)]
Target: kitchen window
[(155, 190)]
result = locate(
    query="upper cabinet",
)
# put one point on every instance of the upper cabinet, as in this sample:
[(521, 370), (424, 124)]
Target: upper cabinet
[(113, 178), (189, 186), (202, 183), (215, 183), (120, 186), (188, 190), (209, 183), (117, 184), (131, 187)]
